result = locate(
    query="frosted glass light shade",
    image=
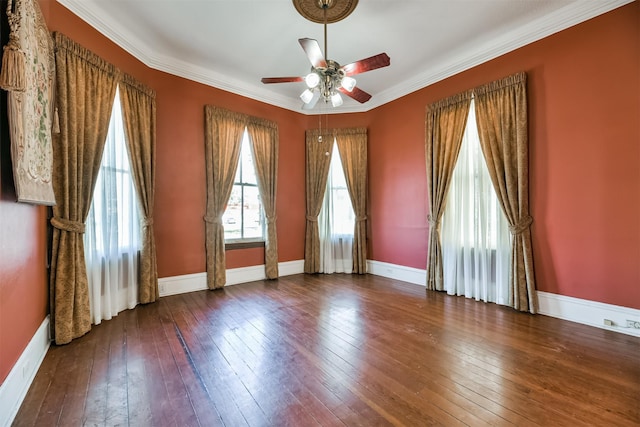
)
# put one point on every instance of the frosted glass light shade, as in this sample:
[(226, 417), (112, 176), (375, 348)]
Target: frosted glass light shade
[(306, 96), (336, 100), (312, 80), (348, 83)]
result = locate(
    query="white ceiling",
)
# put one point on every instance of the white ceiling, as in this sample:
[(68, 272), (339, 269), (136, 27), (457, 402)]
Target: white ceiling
[(232, 44)]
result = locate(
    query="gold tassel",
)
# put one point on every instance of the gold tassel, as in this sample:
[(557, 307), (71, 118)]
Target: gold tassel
[(14, 62), (12, 75)]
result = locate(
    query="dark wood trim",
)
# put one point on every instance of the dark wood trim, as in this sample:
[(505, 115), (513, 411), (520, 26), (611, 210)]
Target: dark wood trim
[(243, 245)]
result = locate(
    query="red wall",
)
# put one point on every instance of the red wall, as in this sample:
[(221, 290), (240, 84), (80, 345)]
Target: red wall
[(584, 99), (180, 189), (180, 169), (584, 129), (23, 283)]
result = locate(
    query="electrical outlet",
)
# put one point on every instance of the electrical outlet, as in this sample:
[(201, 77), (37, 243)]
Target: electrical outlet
[(609, 322), (635, 324)]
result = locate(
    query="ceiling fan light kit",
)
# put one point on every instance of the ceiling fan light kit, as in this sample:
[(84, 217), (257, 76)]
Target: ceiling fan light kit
[(327, 78)]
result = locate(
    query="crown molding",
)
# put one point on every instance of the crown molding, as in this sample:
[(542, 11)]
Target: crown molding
[(125, 39), (110, 29), (479, 53), (470, 56)]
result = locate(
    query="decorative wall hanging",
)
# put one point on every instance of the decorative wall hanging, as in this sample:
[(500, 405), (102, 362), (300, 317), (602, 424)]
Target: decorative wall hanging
[(28, 76)]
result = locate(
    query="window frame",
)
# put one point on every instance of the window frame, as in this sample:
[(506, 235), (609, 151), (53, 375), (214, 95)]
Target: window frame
[(333, 189), (246, 242)]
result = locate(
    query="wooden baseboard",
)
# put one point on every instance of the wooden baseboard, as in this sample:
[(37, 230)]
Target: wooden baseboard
[(590, 313), (398, 272), (15, 386), (198, 281), (587, 312), (577, 310)]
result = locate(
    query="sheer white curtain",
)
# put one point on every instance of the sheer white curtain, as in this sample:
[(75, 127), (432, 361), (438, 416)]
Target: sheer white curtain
[(336, 221), (112, 236), (475, 232)]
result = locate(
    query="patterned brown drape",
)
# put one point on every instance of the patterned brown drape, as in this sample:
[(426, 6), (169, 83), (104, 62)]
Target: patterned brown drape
[(139, 114), (352, 145), (264, 145), (316, 173), (501, 110), (223, 138), (445, 123), (85, 86)]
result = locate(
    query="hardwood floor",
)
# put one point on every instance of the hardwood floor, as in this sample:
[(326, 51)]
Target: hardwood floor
[(336, 350)]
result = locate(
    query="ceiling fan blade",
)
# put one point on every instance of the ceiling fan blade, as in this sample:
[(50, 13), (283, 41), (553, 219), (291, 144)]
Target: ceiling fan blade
[(377, 61), (357, 94), (267, 80), (312, 49)]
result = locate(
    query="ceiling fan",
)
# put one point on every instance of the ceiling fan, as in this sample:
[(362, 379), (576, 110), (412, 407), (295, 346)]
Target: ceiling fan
[(327, 78)]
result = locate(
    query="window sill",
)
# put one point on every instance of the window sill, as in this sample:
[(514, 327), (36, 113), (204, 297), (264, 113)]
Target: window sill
[(247, 244)]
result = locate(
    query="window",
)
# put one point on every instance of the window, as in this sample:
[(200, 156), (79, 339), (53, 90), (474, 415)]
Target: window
[(114, 203), (112, 236), (475, 233), (243, 218), (337, 202), (336, 221)]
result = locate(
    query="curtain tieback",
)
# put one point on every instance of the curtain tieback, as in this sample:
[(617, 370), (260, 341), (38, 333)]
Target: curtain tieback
[(432, 222), (67, 225), (521, 226), (312, 218), (146, 222), (212, 220), (361, 218), (272, 220)]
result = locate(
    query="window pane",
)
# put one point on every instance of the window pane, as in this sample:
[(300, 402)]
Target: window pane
[(232, 218), (114, 213), (343, 217), (238, 178), (252, 213), (248, 169), (338, 179), (344, 220), (243, 218)]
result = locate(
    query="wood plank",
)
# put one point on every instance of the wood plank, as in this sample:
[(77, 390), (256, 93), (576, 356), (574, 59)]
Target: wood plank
[(336, 350), (138, 398), (222, 389), (266, 374), (36, 399)]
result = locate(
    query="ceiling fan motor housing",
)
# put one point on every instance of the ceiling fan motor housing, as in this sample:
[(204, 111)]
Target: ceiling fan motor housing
[(331, 75)]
